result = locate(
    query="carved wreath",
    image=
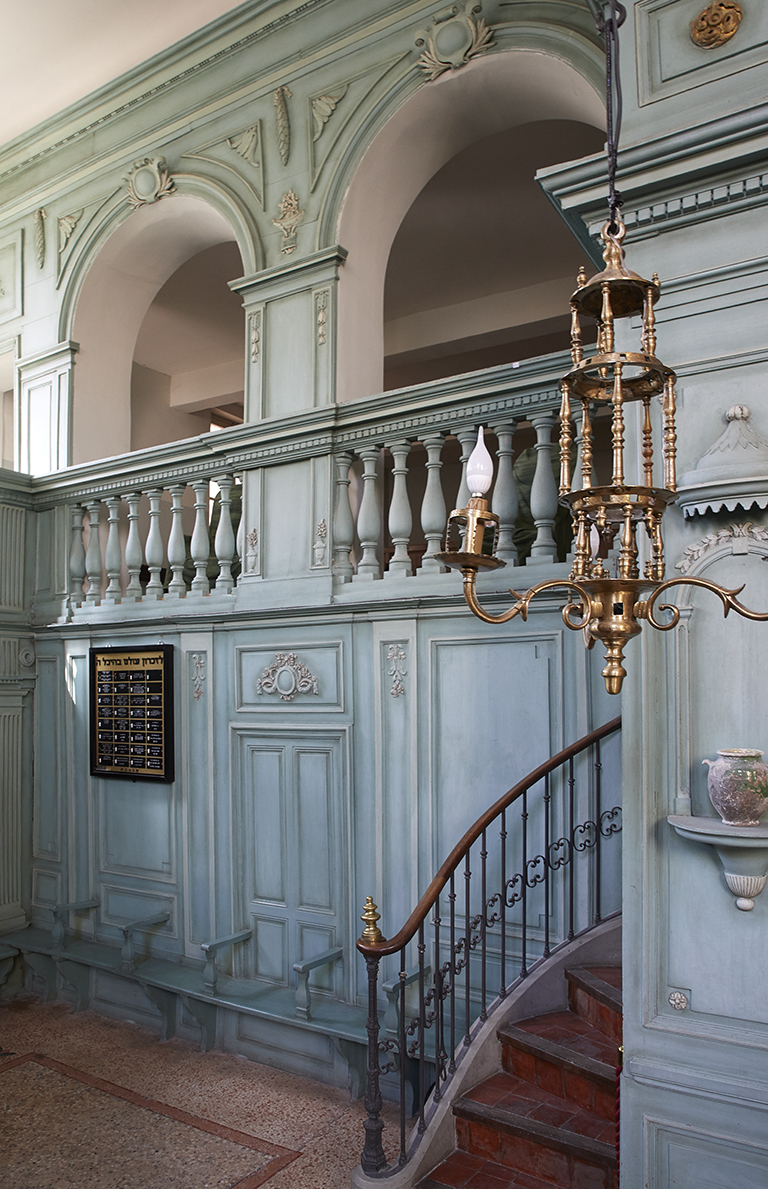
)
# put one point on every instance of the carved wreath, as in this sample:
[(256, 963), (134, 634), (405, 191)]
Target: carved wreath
[(287, 676), (453, 44), (148, 181)]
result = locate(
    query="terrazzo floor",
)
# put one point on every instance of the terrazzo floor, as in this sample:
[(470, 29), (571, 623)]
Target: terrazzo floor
[(92, 1103)]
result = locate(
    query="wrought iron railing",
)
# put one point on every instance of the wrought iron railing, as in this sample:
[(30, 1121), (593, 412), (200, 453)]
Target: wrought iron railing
[(541, 885)]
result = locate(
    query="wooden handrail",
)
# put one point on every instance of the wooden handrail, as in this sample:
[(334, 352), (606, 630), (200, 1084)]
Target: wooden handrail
[(381, 949)]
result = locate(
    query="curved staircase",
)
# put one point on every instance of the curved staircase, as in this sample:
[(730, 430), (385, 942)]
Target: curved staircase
[(548, 1116)]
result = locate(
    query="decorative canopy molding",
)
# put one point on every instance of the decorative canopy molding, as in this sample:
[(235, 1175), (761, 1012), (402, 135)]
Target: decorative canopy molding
[(732, 473)]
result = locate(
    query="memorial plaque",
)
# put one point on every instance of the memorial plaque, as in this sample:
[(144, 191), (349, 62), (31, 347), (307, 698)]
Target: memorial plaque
[(132, 712)]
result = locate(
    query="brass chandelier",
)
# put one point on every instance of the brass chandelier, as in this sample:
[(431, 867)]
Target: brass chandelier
[(607, 608)]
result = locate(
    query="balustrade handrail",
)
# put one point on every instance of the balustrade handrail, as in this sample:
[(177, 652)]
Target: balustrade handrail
[(467, 944), (382, 949)]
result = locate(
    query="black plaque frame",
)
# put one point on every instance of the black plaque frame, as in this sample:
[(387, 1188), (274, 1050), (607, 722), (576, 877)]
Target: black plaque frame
[(147, 670)]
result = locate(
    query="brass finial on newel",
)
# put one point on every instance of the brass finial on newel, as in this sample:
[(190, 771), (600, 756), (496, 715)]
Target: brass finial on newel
[(371, 933)]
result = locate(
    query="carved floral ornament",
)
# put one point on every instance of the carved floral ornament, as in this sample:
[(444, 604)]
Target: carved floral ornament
[(290, 217), (148, 181), (287, 676), (453, 41), (716, 24)]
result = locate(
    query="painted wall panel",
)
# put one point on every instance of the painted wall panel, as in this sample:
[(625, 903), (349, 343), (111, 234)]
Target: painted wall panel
[(137, 828), (266, 824), (314, 808), (270, 944), (288, 355), (324, 662), (48, 772)]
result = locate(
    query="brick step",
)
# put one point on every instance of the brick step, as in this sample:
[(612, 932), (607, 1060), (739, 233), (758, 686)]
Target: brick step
[(564, 1055), (462, 1170), (594, 994), (519, 1125)]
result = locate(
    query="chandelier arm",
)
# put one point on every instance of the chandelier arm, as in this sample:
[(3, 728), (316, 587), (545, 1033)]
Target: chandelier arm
[(645, 610), (523, 601)]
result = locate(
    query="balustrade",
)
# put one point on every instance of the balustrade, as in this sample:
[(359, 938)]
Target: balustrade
[(120, 569), (391, 485)]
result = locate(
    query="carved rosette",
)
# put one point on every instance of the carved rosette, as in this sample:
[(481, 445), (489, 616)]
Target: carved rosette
[(716, 24), (678, 1000), (452, 43), (287, 676), (148, 181)]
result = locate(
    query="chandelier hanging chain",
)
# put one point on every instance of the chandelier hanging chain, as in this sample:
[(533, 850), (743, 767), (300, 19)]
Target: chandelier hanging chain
[(609, 27), (610, 593)]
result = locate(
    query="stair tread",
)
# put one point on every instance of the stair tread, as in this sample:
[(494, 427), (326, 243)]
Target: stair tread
[(603, 983), (462, 1170), (508, 1100), (566, 1036)]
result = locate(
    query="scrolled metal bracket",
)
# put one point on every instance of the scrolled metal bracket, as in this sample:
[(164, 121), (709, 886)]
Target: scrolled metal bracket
[(646, 608)]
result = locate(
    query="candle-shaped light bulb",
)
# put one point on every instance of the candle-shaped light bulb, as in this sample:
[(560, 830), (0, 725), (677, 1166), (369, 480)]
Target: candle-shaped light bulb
[(479, 468)]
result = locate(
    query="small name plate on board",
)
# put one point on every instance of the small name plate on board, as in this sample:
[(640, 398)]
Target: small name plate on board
[(132, 712)]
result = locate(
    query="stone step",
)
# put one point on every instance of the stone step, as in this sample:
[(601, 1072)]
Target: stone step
[(521, 1126), (594, 994), (564, 1055)]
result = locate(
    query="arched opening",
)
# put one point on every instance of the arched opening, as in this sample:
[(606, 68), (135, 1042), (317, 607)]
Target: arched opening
[(481, 266), (501, 95), (160, 334)]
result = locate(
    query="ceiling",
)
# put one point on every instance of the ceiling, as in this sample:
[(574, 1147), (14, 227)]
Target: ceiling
[(58, 51)]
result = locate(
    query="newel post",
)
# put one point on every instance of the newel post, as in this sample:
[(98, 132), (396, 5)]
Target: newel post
[(372, 1160)]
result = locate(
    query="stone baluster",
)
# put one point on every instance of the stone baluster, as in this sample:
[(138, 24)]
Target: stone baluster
[(200, 546), (400, 520), (433, 512), (543, 492), (467, 436), (77, 557), (504, 500), (153, 550), (368, 520), (224, 541), (177, 553), (113, 557), (343, 524), (133, 553), (93, 554), (240, 537)]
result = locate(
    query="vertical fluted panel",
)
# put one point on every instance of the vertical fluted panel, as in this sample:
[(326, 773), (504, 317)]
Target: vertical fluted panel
[(11, 550), (153, 550), (400, 521), (133, 552), (224, 542), (504, 501), (200, 545), (93, 554), (543, 492), (113, 558), (368, 520), (343, 524), (433, 513), (10, 807), (77, 557), (177, 553)]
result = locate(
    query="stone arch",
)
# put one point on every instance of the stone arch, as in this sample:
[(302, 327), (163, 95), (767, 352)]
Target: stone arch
[(124, 264), (422, 133)]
